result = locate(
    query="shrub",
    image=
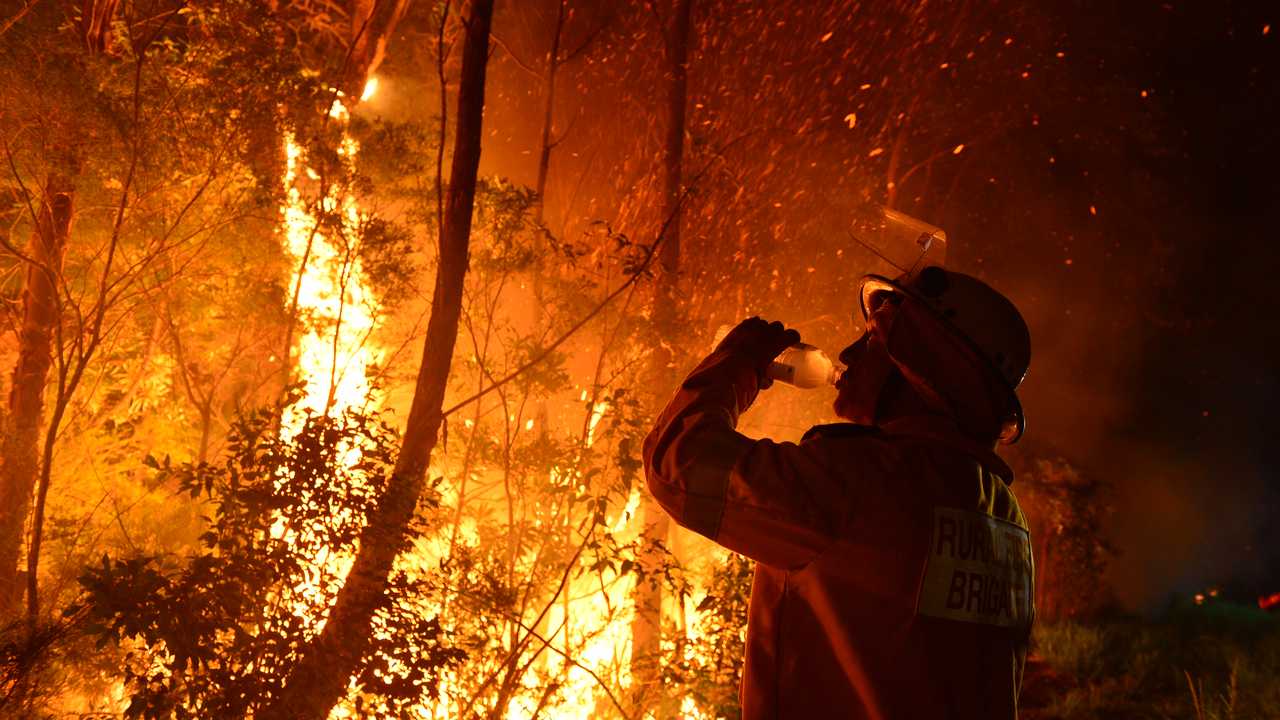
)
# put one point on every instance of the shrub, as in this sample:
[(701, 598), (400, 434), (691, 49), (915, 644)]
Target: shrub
[(216, 634)]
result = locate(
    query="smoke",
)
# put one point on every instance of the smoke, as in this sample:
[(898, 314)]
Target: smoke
[(1181, 528)]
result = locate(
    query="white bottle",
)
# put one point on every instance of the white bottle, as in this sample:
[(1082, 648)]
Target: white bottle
[(802, 365)]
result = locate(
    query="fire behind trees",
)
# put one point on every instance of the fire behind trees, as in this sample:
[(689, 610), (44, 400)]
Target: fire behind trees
[(156, 302)]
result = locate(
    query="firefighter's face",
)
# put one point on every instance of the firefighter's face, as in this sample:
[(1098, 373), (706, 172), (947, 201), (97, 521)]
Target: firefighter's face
[(855, 400), (856, 349), (868, 367)]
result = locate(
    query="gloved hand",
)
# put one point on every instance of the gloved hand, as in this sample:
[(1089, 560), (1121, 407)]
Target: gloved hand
[(758, 342)]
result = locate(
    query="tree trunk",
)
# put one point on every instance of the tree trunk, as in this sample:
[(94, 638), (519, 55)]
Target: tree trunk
[(646, 628), (541, 418), (372, 22), (548, 112), (319, 680), (95, 24), (20, 425)]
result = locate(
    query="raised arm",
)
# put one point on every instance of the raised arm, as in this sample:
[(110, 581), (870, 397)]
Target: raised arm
[(777, 503)]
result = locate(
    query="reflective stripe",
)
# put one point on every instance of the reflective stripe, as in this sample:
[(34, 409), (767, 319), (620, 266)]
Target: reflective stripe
[(707, 481)]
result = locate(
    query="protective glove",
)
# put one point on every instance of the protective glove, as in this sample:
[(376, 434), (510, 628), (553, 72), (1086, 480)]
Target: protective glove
[(758, 342)]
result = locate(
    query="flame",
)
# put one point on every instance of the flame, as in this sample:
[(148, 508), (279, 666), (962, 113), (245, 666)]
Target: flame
[(337, 315), (590, 623), (597, 414), (333, 350), (370, 88)]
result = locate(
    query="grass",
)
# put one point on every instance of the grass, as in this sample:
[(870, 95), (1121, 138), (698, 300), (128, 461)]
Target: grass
[(1216, 662)]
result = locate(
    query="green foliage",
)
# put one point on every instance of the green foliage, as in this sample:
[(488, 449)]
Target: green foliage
[(709, 668), (216, 633), (537, 549), (385, 249)]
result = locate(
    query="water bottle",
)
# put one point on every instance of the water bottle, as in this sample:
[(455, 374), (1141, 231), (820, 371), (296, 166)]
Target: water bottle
[(802, 365)]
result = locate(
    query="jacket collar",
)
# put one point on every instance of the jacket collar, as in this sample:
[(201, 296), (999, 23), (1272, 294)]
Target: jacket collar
[(944, 431)]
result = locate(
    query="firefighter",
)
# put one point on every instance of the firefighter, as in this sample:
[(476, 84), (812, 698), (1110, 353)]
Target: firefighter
[(893, 565)]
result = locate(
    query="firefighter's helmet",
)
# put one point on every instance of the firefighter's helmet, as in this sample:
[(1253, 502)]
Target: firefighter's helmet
[(986, 320)]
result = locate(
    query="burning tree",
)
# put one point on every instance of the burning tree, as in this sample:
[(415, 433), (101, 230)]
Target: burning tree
[(152, 168)]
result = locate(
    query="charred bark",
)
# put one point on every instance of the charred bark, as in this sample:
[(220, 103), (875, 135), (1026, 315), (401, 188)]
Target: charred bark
[(21, 423), (320, 678), (646, 628)]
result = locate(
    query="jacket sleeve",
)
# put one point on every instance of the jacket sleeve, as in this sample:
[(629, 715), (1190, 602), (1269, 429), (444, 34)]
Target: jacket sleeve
[(778, 503)]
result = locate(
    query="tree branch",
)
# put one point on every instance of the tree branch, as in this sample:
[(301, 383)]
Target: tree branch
[(635, 277), (8, 24), (519, 62)]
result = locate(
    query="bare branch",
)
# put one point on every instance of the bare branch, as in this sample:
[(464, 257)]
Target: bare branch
[(586, 42), (35, 219), (8, 24), (591, 315), (519, 62)]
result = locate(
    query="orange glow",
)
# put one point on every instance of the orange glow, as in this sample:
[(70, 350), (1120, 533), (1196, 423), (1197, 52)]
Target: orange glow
[(333, 348), (370, 89), (336, 318)]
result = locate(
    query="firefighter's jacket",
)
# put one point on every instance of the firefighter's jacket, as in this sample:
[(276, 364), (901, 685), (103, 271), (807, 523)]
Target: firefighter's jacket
[(894, 574)]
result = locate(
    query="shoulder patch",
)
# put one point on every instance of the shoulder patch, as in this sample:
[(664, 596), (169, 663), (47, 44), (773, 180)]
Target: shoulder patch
[(838, 430), (978, 570)]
